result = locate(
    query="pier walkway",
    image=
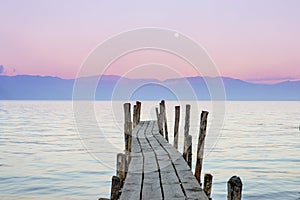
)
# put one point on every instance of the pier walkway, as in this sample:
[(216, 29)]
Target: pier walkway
[(156, 169)]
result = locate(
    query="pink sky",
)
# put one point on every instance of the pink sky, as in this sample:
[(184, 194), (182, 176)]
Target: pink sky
[(251, 40)]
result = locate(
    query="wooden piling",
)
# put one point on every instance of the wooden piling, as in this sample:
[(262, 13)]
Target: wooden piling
[(207, 185), (115, 188), (176, 126), (200, 149), (121, 168), (189, 150), (165, 120), (127, 127), (138, 111), (134, 118), (186, 129), (162, 117), (161, 123), (234, 188)]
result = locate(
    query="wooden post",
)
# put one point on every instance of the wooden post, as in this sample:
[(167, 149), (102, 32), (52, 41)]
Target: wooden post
[(189, 150), (207, 185), (161, 119), (127, 127), (115, 188), (234, 188), (159, 122), (121, 167), (134, 116), (165, 120), (186, 129), (138, 112), (176, 126), (162, 113), (200, 149), (157, 113)]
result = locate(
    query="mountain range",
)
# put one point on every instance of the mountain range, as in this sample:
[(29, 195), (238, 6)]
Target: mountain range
[(110, 87)]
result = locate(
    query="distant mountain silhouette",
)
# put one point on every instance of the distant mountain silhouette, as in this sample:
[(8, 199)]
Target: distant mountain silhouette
[(25, 87)]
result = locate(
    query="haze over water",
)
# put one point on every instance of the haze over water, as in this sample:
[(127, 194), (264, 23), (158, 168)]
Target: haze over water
[(42, 155)]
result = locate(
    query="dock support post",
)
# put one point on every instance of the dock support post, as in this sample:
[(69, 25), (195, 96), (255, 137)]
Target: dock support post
[(134, 118), (138, 112), (176, 126), (165, 119), (127, 127), (115, 188), (200, 149), (189, 151), (160, 121), (186, 129), (234, 188), (207, 185), (121, 167)]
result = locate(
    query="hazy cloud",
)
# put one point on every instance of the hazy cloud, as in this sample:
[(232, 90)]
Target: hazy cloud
[(1, 69)]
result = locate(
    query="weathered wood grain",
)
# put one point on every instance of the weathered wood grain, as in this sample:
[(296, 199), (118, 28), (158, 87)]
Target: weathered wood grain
[(157, 170), (176, 126), (186, 129), (200, 148)]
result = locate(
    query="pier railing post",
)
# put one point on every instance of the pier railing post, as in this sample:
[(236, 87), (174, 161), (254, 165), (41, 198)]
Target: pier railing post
[(115, 188), (207, 185), (234, 188), (159, 122), (186, 129), (165, 119), (138, 112), (134, 118), (189, 150), (127, 127), (176, 126), (121, 167), (200, 149)]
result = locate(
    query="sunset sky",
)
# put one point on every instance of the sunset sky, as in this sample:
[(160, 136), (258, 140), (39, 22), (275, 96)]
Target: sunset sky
[(254, 40)]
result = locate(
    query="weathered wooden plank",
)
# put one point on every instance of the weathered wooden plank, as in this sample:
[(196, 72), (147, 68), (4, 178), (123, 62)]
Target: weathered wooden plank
[(151, 184), (157, 170), (133, 183), (170, 183), (189, 183)]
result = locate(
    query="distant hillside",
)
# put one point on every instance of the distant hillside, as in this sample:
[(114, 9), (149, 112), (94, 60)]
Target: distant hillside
[(24, 87)]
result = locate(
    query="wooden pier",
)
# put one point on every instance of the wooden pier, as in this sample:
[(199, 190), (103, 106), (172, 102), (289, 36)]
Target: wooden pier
[(157, 170), (151, 168)]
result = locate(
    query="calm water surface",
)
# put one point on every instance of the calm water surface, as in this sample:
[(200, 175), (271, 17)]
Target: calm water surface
[(46, 155)]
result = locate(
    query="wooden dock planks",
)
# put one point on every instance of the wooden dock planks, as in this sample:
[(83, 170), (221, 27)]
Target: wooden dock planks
[(157, 170)]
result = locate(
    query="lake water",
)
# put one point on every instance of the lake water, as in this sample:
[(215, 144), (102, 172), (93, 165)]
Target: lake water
[(47, 154)]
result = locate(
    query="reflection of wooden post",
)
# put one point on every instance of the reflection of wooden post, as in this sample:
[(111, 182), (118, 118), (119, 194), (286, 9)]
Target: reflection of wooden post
[(115, 188), (186, 129), (176, 126), (189, 150), (165, 120), (121, 167), (200, 149), (207, 185), (234, 188), (127, 127)]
